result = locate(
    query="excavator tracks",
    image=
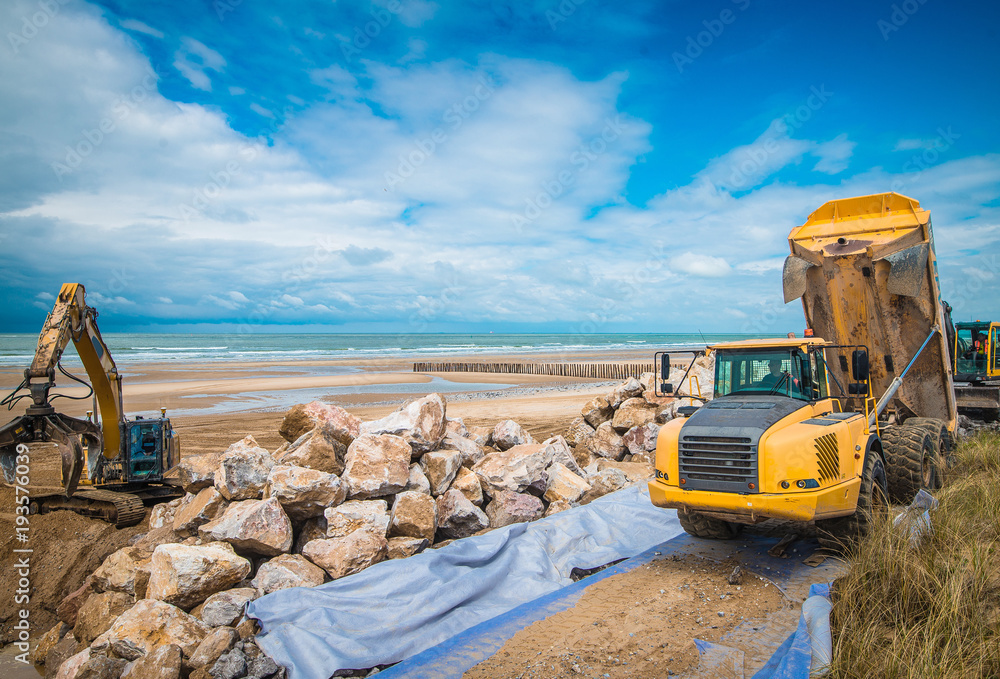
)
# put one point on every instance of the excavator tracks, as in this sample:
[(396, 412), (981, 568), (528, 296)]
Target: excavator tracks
[(121, 509)]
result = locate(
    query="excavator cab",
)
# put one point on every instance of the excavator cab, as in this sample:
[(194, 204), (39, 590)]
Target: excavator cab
[(149, 449), (977, 357)]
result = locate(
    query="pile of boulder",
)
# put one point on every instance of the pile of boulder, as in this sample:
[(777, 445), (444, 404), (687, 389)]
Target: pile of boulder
[(337, 497)]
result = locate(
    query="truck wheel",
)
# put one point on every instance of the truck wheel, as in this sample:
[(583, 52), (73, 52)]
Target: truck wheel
[(911, 460), (702, 526), (873, 506), (944, 443)]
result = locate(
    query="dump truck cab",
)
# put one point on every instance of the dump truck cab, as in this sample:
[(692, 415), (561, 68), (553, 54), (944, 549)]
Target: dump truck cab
[(769, 444)]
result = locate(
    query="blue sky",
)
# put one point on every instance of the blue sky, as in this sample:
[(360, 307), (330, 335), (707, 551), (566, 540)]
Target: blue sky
[(412, 166)]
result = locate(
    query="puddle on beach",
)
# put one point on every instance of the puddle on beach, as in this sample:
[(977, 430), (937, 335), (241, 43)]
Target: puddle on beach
[(11, 668), (281, 400)]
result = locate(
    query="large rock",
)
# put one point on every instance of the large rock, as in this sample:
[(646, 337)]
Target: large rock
[(634, 412), (467, 483), (422, 423), (606, 442), (508, 434), (604, 482), (455, 426), (159, 536), (256, 526), (558, 450), (151, 624), (163, 663), (311, 529), (596, 411), (316, 449), (285, 571), (98, 666), (377, 465), (701, 377), (97, 614), (163, 514), (641, 441), (414, 515), (304, 493), (217, 642), (334, 420), (353, 515), (459, 518), (401, 548), (185, 575), (71, 603), (481, 435), (471, 451), (126, 570), (564, 484), (635, 472), (71, 667), (440, 467), (514, 469), (350, 554), (199, 510), (224, 609), (631, 388), (242, 472), (579, 432), (196, 472), (418, 480), (507, 507)]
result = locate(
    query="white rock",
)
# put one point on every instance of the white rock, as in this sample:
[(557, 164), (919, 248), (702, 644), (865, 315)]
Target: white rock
[(257, 526), (514, 469), (304, 493), (242, 472), (441, 466), (353, 515), (467, 483), (152, 623), (185, 575), (422, 423), (564, 485), (418, 480), (508, 434), (347, 555), (377, 465), (414, 515), (287, 570), (507, 507)]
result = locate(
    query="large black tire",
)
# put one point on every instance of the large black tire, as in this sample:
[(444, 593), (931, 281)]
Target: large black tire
[(944, 444), (702, 526), (911, 459), (873, 506)]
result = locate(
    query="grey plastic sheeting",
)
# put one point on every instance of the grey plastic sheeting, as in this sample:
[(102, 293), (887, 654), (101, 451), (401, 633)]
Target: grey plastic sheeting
[(396, 609)]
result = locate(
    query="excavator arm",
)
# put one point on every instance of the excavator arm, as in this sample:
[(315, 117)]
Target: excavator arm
[(70, 319)]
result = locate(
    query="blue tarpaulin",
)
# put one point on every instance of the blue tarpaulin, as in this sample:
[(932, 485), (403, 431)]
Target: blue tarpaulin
[(396, 609)]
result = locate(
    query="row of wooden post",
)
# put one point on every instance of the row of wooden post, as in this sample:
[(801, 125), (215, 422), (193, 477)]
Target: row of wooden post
[(605, 371)]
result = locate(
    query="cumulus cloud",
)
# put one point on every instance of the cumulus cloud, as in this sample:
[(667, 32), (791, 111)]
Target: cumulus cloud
[(705, 266), (194, 58)]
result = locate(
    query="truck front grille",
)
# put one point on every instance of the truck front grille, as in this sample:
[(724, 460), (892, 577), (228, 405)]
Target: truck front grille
[(726, 463)]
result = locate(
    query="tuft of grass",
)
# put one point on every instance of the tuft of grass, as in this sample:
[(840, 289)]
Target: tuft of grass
[(932, 610)]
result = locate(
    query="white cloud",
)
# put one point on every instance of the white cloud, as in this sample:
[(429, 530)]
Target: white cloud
[(136, 25), (705, 266), (164, 300), (46, 296), (834, 154), (194, 58)]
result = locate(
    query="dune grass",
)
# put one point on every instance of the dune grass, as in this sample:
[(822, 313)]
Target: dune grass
[(933, 610)]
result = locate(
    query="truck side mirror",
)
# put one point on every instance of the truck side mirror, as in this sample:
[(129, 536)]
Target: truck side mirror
[(859, 365), (664, 367)]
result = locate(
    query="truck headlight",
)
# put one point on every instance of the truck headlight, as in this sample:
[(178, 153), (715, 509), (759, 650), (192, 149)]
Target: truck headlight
[(661, 475)]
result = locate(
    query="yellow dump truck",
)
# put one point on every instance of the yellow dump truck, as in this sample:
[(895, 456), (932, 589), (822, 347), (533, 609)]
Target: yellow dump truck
[(827, 427)]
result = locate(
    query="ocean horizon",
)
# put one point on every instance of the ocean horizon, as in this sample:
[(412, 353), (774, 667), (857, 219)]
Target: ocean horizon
[(17, 349)]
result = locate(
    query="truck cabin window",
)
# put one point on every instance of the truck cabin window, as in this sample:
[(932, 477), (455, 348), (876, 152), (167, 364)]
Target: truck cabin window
[(786, 372)]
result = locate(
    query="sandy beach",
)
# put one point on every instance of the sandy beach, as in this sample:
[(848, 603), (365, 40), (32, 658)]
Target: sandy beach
[(212, 404)]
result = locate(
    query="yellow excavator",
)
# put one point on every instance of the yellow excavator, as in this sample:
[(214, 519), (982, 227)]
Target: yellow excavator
[(124, 459)]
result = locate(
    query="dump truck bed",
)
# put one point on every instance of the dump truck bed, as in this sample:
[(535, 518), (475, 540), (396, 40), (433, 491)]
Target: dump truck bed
[(866, 271)]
